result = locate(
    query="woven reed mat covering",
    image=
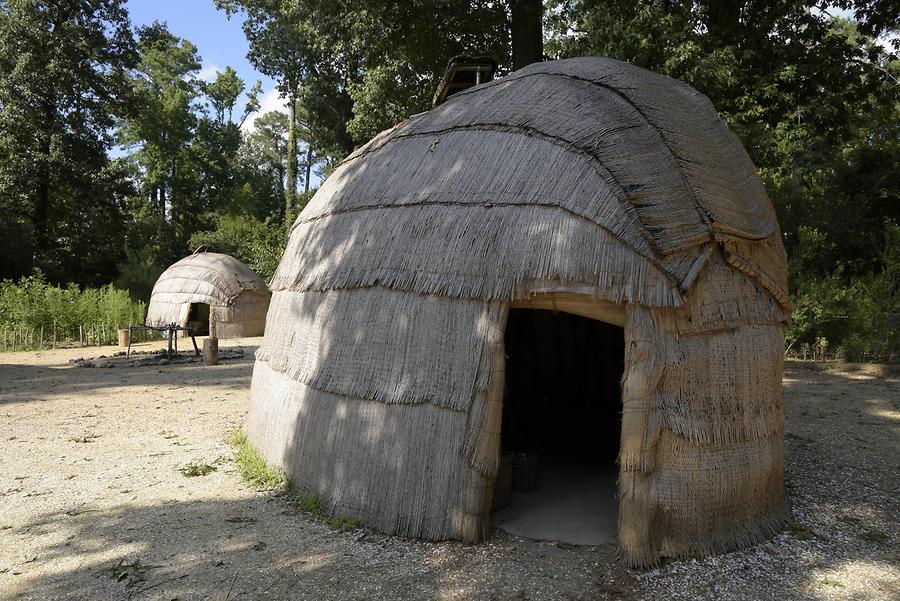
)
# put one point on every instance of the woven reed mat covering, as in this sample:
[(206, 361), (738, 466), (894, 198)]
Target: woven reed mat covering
[(702, 456), (239, 295), (398, 468), (380, 383), (657, 145)]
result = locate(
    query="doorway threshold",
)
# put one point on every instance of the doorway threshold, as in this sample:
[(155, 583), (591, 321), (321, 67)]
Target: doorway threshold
[(575, 504)]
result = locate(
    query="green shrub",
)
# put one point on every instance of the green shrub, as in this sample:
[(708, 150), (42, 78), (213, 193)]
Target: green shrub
[(194, 470), (858, 314), (34, 306), (258, 244)]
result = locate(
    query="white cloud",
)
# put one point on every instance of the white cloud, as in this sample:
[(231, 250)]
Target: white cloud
[(269, 101), (208, 72)]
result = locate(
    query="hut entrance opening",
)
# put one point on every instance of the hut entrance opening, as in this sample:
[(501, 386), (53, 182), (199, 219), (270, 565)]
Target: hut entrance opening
[(561, 427), (198, 319)]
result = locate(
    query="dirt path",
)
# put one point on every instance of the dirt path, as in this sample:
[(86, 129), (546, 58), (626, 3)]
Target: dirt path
[(94, 504)]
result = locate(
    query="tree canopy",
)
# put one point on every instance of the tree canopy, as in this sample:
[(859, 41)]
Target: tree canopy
[(116, 157)]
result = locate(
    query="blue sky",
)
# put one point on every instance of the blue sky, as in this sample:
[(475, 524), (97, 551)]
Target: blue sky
[(219, 41)]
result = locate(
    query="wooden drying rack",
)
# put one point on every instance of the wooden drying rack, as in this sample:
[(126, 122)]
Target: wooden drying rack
[(170, 329)]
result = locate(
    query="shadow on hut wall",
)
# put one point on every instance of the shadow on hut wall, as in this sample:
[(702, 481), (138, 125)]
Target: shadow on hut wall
[(338, 245), (337, 442), (335, 250)]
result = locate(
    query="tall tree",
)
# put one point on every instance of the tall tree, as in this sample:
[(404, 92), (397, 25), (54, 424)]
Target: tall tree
[(215, 148), (278, 48), (815, 100), (63, 78), (167, 92), (265, 150), (223, 94), (360, 67)]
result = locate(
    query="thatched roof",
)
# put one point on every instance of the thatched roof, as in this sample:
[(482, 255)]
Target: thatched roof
[(543, 175), (206, 277), (215, 279)]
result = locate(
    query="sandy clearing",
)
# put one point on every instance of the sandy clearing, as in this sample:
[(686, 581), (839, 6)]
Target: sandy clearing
[(90, 480)]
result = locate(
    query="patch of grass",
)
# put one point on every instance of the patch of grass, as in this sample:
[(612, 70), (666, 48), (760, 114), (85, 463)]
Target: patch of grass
[(849, 519), (800, 531), (314, 505), (257, 473), (130, 573), (193, 470), (343, 522), (252, 467), (832, 583), (875, 536), (240, 519)]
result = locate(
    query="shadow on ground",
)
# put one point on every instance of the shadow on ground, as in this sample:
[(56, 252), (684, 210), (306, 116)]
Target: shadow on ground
[(843, 472), (21, 382), (266, 548)]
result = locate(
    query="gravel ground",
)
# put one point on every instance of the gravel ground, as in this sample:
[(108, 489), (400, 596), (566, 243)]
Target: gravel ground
[(95, 504)]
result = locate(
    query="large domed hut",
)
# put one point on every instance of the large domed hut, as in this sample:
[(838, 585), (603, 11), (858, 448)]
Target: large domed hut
[(205, 282), (575, 260)]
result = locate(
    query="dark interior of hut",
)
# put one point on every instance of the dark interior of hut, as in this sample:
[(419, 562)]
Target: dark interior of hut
[(198, 319), (561, 426)]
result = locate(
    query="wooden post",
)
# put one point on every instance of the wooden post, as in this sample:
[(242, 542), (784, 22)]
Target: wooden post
[(211, 343), (80, 335), (211, 351), (42, 336), (212, 321)]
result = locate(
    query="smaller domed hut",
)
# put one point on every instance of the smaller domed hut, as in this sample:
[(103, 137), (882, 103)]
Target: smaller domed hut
[(187, 291)]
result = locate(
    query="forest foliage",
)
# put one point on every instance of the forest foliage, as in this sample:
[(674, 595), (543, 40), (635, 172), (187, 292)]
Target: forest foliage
[(36, 312), (116, 158)]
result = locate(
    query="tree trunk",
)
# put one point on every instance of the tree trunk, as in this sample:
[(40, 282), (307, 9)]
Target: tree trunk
[(527, 32), (41, 218), (172, 195), (42, 203), (290, 192), (278, 172), (725, 21), (309, 156)]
